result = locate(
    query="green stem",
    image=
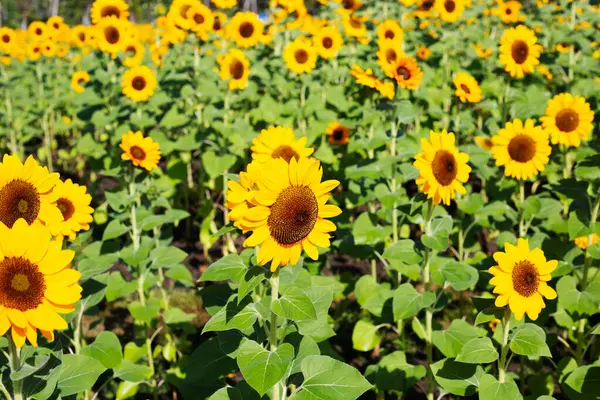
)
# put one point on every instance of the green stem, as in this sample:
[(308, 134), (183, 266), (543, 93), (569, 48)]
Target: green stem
[(571, 73), (428, 312), (502, 364), (504, 100), (522, 228), (568, 162), (273, 327), (15, 365), (374, 269), (393, 184), (161, 275)]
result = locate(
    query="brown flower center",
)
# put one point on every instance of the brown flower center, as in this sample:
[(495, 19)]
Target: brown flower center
[(338, 134), (567, 120), (327, 43), (444, 167), (355, 23), (66, 207), (81, 36), (246, 30), (22, 285), (403, 72), (110, 11), (137, 153), (38, 31), (111, 34), (390, 55), (521, 148), (285, 152), (56, 25), (293, 215), (19, 199), (236, 69), (427, 5), (80, 81), (138, 83), (508, 11), (525, 278), (349, 4), (449, 5), (131, 50), (301, 56), (217, 24), (5, 38), (199, 18), (465, 88), (519, 51), (389, 34)]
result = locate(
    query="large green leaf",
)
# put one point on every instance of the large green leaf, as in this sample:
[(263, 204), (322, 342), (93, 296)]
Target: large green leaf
[(530, 340), (294, 304), (78, 373), (457, 378), (365, 336), (231, 267), (261, 368), (408, 302), (451, 341), (478, 351), (459, 275), (233, 316), (491, 389), (106, 349)]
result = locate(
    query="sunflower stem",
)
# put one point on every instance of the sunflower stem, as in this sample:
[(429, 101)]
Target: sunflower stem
[(273, 325), (428, 312), (571, 73), (502, 364), (393, 184), (504, 100), (522, 227), (15, 365)]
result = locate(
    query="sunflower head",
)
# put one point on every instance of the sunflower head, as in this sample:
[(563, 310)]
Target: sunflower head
[(278, 142), (300, 56), (112, 34), (364, 77), (423, 52), (521, 279), (141, 151), (327, 42), (139, 83), (518, 51), (389, 30), (245, 29), (484, 142), (73, 201), (568, 120), (109, 8), (450, 10), (77, 81), (235, 66), (467, 88), (442, 168), (388, 54), (406, 72), (338, 133)]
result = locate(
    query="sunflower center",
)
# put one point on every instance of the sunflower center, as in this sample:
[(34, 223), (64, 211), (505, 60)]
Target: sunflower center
[(355, 24), (22, 284), (131, 50), (465, 88), (389, 34), (444, 167), (81, 36), (338, 134), (66, 207), (327, 43), (285, 152), (236, 69), (427, 5), (138, 83), (390, 55), (199, 18), (110, 11), (293, 215), (80, 81), (38, 31), (403, 72), (56, 25), (138, 153), (519, 51), (567, 120), (449, 5), (508, 11), (217, 25), (246, 30), (521, 148), (6, 38), (301, 56), (348, 4), (18, 199), (525, 278), (111, 34)]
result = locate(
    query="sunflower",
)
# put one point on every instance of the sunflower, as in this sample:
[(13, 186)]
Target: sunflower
[(235, 66), (141, 151), (494, 323), (219, 23), (26, 192), (37, 31), (467, 88), (389, 30), (36, 283), (544, 70), (8, 39), (278, 142), (522, 148), (245, 29), (240, 195), (291, 212), (521, 279), (300, 56), (583, 242), (424, 8), (74, 205), (139, 83), (224, 4), (484, 142), (450, 10), (423, 52), (406, 72), (509, 12), (390, 51), (328, 42), (364, 77), (386, 89), (354, 27), (134, 49), (77, 79), (562, 48), (56, 24), (518, 52), (109, 8), (568, 120), (34, 50), (349, 6), (49, 48), (338, 133), (178, 13), (202, 18), (481, 51), (442, 168), (112, 34)]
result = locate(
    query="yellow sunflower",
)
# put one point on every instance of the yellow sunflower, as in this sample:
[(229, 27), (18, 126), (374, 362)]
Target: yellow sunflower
[(568, 120), (8, 39), (219, 23), (386, 89), (481, 51), (338, 133), (450, 10), (518, 52), (109, 8), (74, 205), (523, 149), (235, 66), (349, 6), (390, 30), (406, 72), (364, 77), (37, 31), (467, 88), (424, 9), (509, 12), (328, 42), (178, 13), (291, 212), (224, 4), (26, 192), (240, 195), (583, 242), (49, 48), (389, 52), (278, 142), (300, 56), (245, 29), (442, 168), (544, 70), (56, 23), (77, 79), (521, 279), (36, 283), (355, 27), (485, 143), (141, 151), (34, 50), (112, 34), (139, 83), (134, 50), (202, 18), (423, 52)]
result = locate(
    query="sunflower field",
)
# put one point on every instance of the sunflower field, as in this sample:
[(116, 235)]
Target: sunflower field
[(300, 200)]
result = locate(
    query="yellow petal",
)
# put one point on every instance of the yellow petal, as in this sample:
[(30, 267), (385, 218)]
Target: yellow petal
[(63, 295)]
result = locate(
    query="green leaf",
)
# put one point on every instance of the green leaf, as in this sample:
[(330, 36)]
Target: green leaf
[(145, 313), (167, 257), (125, 390), (250, 280), (569, 297), (408, 302), (438, 234), (405, 112), (589, 168), (491, 389), (459, 275), (216, 165), (231, 267), (478, 351), (393, 372), (328, 379), (177, 316), (457, 378), (470, 204), (451, 341), (261, 368), (365, 232), (305, 348), (30, 366), (365, 336), (233, 316), (295, 305), (78, 373), (113, 230), (371, 295), (576, 227), (404, 251), (173, 118), (106, 349), (583, 383), (530, 340), (132, 372), (226, 393)]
